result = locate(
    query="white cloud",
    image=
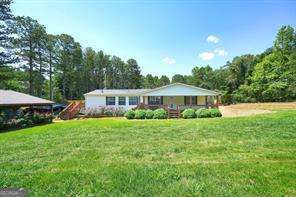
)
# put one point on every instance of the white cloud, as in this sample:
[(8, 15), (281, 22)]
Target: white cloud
[(221, 52), (206, 55), (169, 60), (212, 38)]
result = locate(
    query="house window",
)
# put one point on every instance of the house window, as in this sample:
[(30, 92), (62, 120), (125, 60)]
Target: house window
[(154, 100), (133, 100), (110, 100), (194, 100), (190, 100), (121, 100)]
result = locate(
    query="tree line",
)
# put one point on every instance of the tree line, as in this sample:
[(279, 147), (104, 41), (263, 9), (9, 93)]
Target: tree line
[(269, 76), (56, 67)]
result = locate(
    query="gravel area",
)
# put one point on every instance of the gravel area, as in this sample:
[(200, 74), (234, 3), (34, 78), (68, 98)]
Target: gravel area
[(249, 109)]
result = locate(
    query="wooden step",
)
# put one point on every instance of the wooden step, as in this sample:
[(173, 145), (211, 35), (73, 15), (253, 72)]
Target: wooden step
[(174, 113)]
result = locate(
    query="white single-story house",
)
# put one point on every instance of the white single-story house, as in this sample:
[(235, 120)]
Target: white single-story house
[(176, 96)]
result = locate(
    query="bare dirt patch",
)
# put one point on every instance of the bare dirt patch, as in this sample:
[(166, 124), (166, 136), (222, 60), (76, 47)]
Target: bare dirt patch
[(249, 109)]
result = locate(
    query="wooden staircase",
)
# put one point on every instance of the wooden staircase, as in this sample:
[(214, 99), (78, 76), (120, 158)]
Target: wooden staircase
[(174, 113), (71, 111)]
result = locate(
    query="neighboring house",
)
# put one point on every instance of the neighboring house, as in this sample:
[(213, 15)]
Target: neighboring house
[(173, 96), (11, 101), (10, 98)]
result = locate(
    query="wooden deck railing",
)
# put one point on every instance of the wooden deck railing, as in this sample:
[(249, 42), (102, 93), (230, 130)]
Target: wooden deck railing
[(181, 107), (152, 107), (71, 110)]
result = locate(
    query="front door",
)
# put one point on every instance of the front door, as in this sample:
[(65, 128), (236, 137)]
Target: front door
[(172, 102)]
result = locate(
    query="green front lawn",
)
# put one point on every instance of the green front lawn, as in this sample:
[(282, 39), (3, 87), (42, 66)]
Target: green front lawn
[(227, 156)]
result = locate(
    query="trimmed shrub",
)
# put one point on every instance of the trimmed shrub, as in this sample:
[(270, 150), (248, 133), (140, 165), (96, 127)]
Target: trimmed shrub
[(149, 114), (203, 113), (26, 120), (160, 114), (109, 111), (215, 112), (23, 122), (94, 112), (11, 124), (36, 118), (119, 111), (2, 123), (188, 113), (140, 114), (98, 112), (130, 114), (48, 118)]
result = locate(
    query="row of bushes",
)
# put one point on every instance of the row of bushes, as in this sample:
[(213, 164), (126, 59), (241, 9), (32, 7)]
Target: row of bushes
[(162, 114), (146, 114), (24, 121), (201, 113), (104, 111)]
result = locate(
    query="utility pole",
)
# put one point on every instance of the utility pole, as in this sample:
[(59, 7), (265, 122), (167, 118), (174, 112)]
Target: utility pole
[(105, 79)]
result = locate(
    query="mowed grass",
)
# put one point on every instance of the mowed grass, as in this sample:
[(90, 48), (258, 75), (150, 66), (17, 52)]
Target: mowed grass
[(244, 156)]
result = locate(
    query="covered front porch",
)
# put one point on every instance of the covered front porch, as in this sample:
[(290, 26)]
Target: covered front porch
[(177, 97), (174, 105), (179, 102)]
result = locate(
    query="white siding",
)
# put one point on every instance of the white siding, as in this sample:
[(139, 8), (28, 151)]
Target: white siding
[(93, 101)]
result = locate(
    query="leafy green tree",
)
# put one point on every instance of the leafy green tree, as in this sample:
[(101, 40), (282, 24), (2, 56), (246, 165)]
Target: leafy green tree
[(178, 79), (6, 18), (240, 69), (102, 61), (189, 79), (12, 79), (9, 76), (274, 77), (89, 67), (41, 37), (51, 59), (116, 73), (203, 76), (163, 80), (26, 43), (150, 81), (285, 44), (65, 67), (76, 90), (133, 74)]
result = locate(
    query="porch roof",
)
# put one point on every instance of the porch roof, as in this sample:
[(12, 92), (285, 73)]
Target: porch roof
[(175, 89), (179, 89)]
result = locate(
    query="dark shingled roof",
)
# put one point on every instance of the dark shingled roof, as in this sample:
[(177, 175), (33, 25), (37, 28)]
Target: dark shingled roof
[(12, 98)]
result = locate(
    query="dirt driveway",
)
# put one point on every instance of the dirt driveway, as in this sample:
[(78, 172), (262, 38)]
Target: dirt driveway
[(249, 109)]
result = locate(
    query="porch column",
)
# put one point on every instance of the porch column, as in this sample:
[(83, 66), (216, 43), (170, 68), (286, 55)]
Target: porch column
[(126, 101), (116, 101), (218, 101), (145, 98), (51, 109), (141, 99)]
